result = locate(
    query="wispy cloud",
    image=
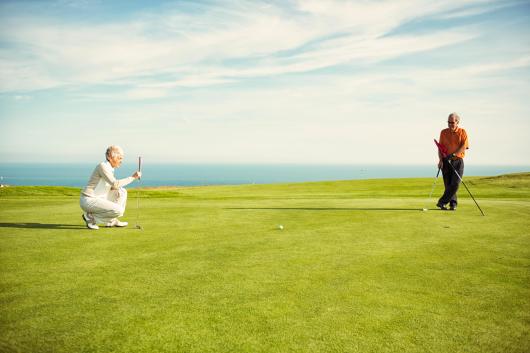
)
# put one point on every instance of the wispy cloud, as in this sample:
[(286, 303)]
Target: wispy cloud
[(220, 44), (322, 79), (476, 8)]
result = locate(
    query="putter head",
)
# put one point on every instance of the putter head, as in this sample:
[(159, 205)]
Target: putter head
[(139, 227)]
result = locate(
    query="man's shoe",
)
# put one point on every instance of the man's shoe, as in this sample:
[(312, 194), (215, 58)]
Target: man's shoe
[(90, 222), (116, 223), (452, 207), (442, 207)]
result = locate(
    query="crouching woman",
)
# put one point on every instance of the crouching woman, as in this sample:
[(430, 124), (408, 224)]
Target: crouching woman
[(104, 198)]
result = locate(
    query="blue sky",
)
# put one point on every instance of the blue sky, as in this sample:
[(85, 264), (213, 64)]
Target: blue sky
[(263, 81)]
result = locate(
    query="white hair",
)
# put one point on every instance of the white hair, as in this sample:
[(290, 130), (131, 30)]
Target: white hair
[(455, 116), (113, 152)]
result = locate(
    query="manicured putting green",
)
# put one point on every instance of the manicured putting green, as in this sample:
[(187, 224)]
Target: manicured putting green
[(357, 267)]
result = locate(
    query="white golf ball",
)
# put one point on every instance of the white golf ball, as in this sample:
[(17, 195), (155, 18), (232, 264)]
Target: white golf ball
[(280, 227)]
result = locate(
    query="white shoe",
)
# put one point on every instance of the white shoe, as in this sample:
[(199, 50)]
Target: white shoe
[(90, 222), (116, 223), (92, 226)]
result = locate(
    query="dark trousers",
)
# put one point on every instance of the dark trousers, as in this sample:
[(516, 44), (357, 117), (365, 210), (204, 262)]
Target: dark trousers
[(451, 181)]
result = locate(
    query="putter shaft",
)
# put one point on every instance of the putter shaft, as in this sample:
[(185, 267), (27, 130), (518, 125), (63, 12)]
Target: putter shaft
[(432, 188), (138, 195), (469, 192)]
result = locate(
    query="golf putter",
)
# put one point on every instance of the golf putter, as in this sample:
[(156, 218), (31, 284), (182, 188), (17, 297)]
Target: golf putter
[(432, 188), (469, 192), (442, 150), (138, 226)]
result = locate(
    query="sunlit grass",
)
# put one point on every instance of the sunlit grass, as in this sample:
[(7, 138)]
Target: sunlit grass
[(358, 267)]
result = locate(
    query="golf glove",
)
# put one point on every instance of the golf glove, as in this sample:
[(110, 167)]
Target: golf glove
[(450, 156)]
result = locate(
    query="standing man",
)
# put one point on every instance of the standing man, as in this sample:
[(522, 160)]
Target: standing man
[(103, 199), (455, 141)]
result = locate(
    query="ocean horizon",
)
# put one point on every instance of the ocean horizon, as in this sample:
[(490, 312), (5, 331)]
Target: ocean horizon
[(180, 174)]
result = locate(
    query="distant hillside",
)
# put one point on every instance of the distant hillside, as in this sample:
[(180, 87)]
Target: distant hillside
[(515, 185), (519, 178), (39, 191)]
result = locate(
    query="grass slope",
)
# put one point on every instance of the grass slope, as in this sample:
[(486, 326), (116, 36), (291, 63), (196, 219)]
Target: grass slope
[(358, 268)]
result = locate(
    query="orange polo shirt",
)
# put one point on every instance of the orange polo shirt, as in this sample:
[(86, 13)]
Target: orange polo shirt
[(454, 140)]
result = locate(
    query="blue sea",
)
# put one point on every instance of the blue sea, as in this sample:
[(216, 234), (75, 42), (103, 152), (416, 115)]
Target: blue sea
[(223, 174)]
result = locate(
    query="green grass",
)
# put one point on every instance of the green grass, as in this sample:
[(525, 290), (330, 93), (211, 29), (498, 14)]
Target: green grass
[(358, 268)]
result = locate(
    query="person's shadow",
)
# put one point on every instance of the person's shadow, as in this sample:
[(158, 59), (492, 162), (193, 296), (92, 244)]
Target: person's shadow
[(324, 208), (41, 225)]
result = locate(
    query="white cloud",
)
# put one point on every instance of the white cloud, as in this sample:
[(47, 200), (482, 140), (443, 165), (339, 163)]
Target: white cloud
[(476, 8), (211, 86), (487, 68), (145, 93), (182, 46), (22, 98)]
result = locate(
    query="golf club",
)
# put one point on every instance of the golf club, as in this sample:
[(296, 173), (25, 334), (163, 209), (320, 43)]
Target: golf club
[(138, 226), (459, 177), (432, 189)]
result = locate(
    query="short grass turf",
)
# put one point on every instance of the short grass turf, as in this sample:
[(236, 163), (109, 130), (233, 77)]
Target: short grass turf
[(358, 267)]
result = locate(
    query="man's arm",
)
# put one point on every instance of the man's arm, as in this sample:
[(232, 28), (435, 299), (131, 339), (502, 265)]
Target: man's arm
[(464, 145), (461, 149)]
